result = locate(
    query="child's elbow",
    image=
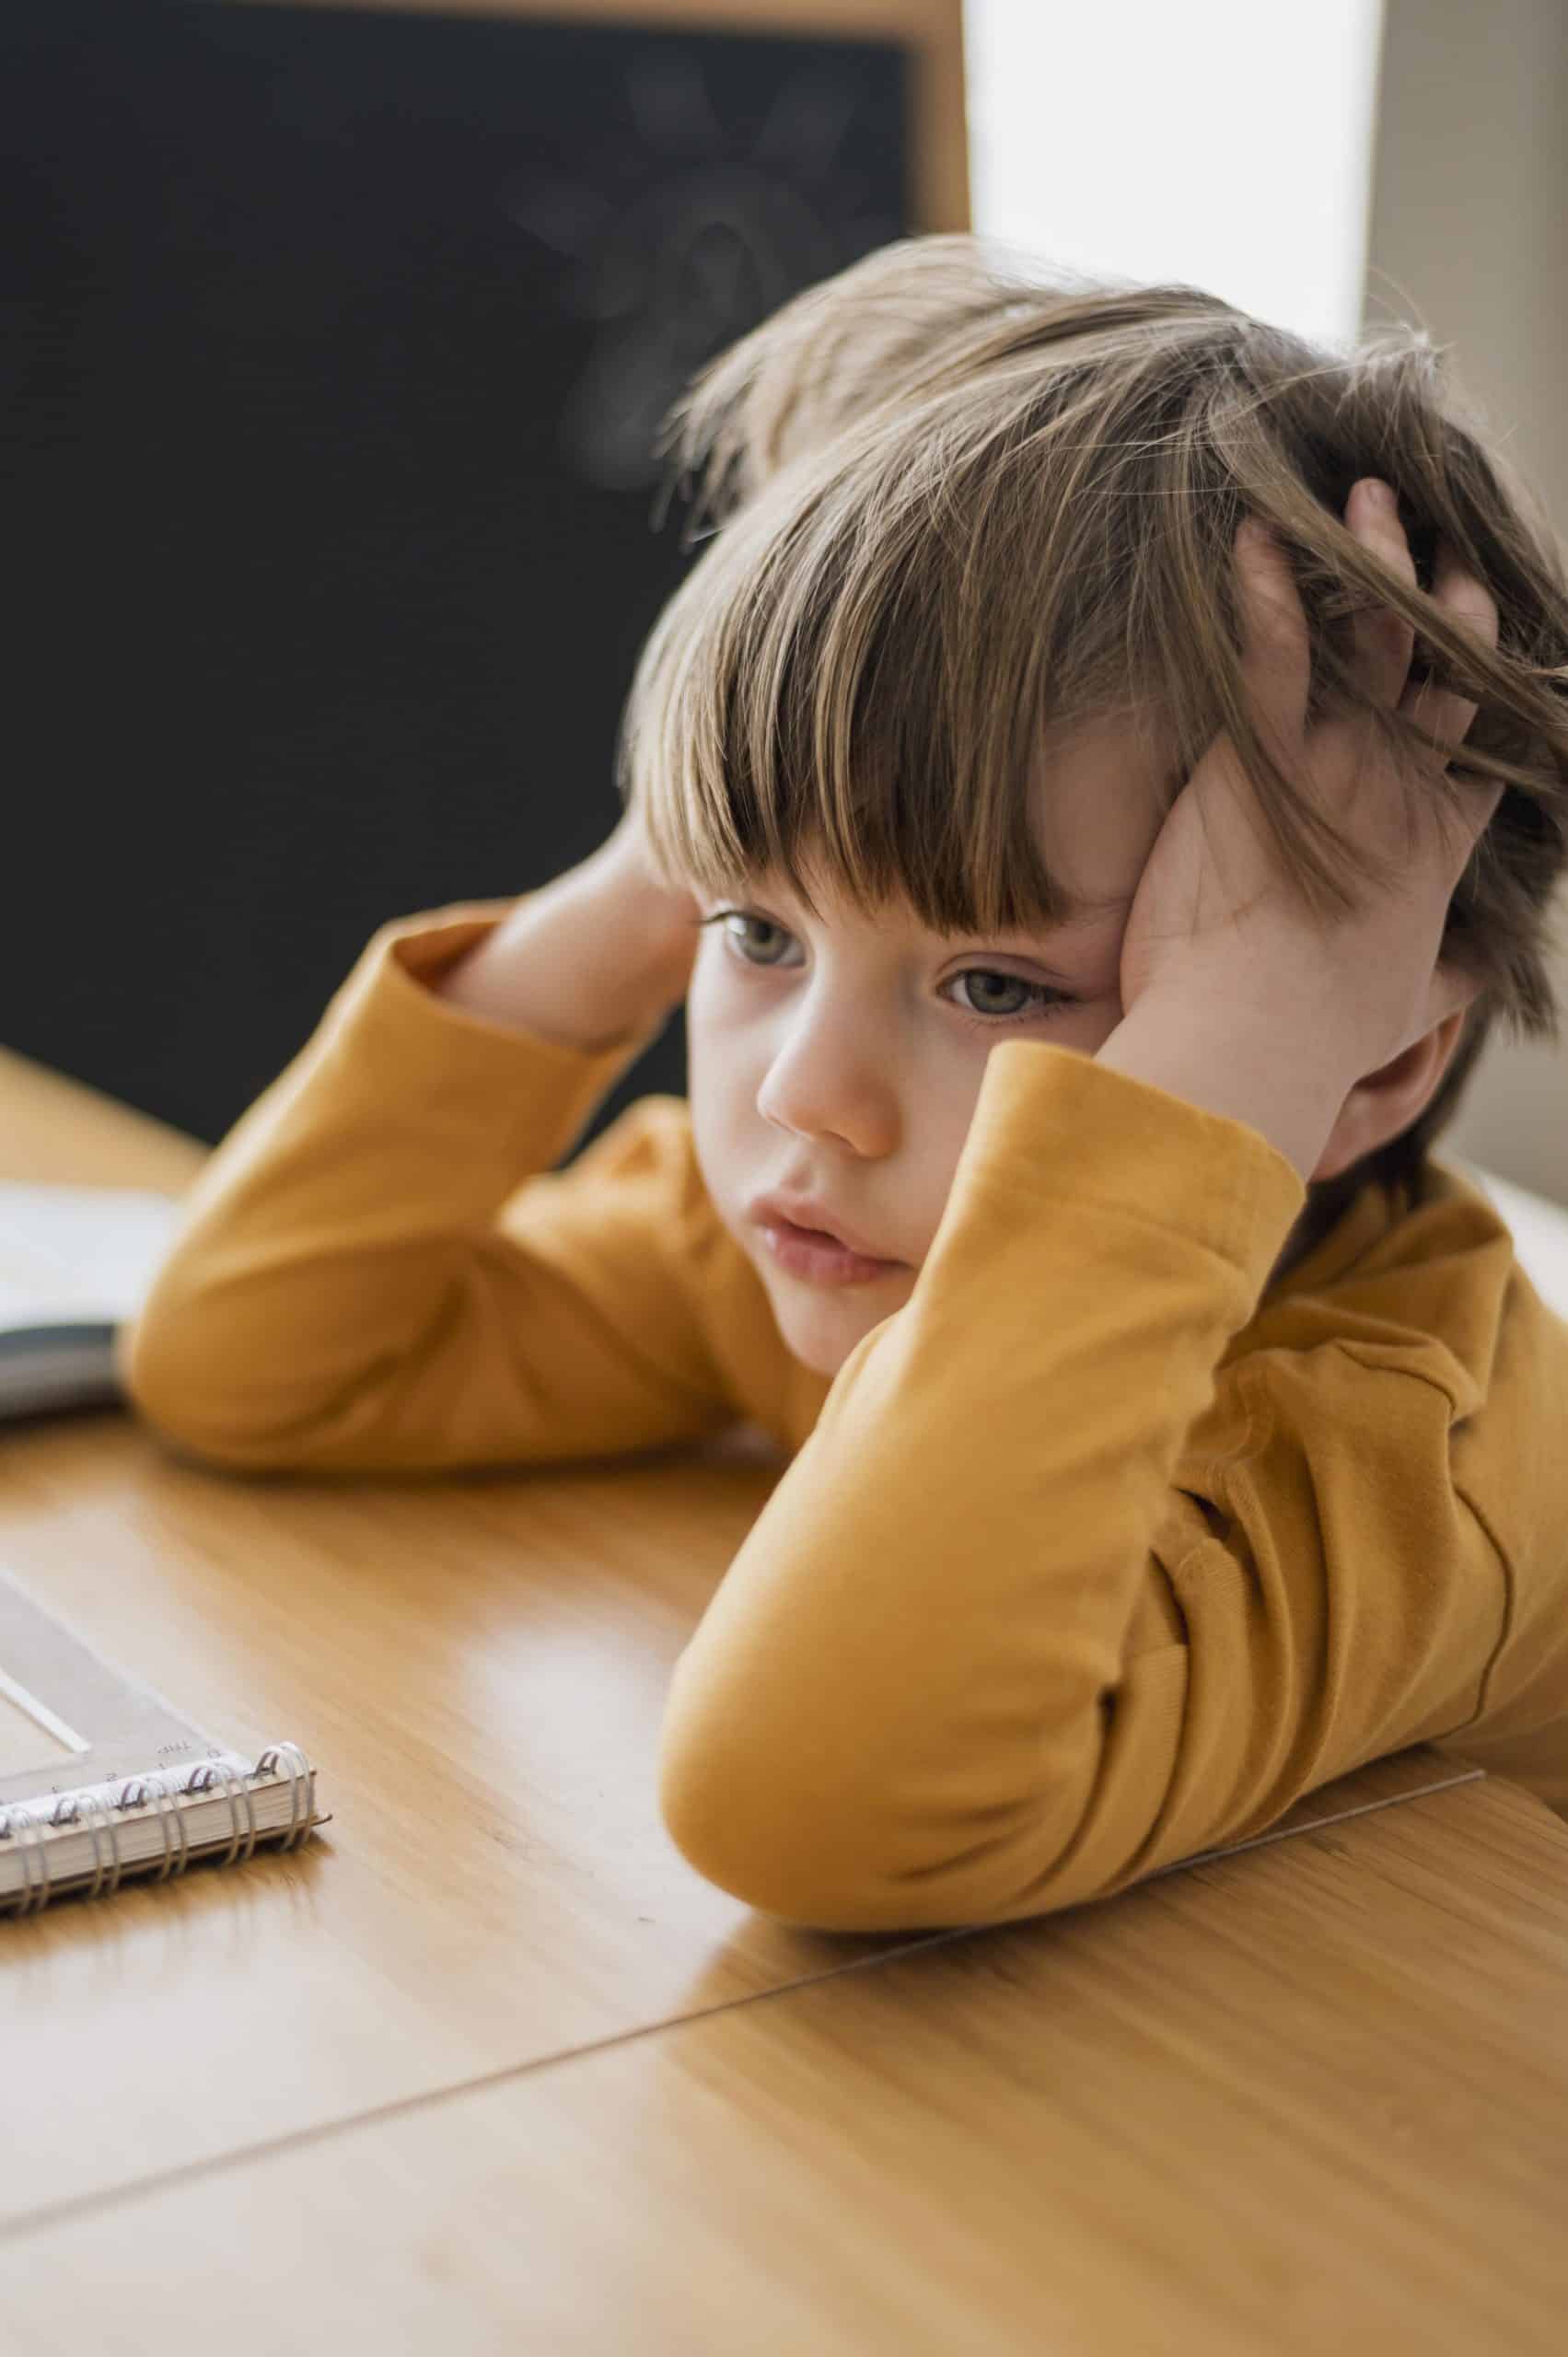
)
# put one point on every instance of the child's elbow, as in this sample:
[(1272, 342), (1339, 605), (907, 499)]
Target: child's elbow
[(176, 1400), (706, 1815), (863, 1853), (804, 1867), (155, 1389), (759, 1878)]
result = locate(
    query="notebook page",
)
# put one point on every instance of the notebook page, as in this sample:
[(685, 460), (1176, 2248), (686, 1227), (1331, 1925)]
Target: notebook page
[(69, 1718), (80, 1253), (31, 1736)]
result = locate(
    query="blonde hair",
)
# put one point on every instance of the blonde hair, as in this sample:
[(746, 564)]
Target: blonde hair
[(960, 502)]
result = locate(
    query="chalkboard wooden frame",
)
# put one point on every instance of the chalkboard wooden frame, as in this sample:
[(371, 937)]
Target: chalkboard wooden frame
[(931, 30)]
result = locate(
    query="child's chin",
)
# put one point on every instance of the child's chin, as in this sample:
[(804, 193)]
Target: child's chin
[(823, 1331)]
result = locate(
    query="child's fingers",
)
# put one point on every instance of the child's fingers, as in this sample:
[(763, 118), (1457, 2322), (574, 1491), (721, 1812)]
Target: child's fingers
[(1276, 647), (1438, 713), (1383, 641)]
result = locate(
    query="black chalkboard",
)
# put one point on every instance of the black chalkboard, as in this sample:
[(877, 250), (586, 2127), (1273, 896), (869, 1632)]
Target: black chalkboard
[(335, 345)]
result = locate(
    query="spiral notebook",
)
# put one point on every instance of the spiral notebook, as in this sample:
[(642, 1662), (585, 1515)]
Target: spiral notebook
[(101, 1779)]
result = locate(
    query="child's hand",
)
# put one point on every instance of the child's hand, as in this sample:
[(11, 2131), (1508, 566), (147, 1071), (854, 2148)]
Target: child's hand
[(1210, 919), (661, 926), (589, 961)]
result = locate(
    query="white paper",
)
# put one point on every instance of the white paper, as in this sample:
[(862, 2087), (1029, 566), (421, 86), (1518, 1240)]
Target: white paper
[(80, 1253)]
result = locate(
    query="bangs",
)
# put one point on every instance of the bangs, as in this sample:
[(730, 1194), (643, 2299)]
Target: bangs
[(855, 685)]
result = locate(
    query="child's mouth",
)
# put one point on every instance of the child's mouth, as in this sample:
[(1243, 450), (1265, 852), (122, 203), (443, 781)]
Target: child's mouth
[(811, 1253)]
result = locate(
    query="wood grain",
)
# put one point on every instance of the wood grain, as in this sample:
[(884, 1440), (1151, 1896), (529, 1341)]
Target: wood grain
[(1313, 2097), (479, 1669)]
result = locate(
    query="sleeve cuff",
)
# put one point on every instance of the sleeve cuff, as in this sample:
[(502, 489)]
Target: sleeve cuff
[(1051, 1123), (458, 1065)]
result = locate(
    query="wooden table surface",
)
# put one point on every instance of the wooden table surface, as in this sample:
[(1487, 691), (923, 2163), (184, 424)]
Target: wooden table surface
[(486, 2066)]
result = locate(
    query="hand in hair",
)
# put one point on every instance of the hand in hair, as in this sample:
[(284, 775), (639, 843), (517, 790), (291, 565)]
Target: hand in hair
[(1214, 921)]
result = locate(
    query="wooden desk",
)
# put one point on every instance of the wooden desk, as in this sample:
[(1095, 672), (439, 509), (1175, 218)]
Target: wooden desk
[(1312, 2098), (476, 2063)]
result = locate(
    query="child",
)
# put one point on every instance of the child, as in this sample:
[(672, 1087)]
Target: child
[(1177, 1435)]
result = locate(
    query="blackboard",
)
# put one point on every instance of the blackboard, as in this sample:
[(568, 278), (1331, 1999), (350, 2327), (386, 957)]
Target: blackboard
[(335, 341)]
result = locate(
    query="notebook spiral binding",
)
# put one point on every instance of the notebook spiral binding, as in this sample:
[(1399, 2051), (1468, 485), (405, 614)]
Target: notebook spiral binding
[(163, 1792)]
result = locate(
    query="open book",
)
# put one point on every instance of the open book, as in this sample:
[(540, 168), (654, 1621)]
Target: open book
[(74, 1264), (101, 1778)]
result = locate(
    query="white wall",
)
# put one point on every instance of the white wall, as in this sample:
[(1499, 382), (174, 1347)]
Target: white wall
[(1226, 143)]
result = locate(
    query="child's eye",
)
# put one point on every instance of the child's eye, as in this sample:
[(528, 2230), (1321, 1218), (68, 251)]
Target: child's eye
[(1041, 999), (722, 916)]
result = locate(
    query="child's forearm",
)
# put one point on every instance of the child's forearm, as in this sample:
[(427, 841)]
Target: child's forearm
[(943, 1586), (583, 962), (339, 1296)]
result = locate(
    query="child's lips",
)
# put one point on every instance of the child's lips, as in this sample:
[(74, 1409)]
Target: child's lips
[(779, 1210), (811, 1253)]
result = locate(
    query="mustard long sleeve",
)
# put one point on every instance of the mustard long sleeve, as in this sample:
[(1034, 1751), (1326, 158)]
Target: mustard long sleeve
[(1102, 1552), (895, 1707), (345, 1292), (1092, 1562)]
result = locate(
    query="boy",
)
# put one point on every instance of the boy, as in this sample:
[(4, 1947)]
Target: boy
[(1169, 1434)]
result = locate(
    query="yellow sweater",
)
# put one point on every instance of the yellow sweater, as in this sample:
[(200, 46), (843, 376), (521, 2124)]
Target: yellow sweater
[(1093, 1555)]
